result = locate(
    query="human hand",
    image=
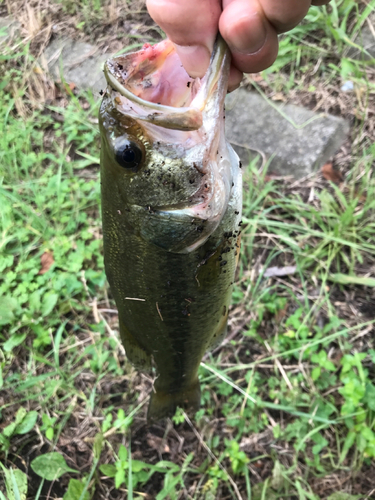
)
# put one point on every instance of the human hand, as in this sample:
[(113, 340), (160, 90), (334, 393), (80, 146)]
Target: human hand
[(249, 27)]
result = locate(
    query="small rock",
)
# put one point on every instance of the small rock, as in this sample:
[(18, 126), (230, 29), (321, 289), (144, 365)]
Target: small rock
[(297, 141), (347, 86)]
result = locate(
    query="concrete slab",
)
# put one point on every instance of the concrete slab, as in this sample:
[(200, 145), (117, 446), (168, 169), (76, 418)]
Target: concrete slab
[(296, 140), (78, 62)]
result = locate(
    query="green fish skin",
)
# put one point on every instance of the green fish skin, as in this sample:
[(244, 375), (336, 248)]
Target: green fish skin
[(171, 208)]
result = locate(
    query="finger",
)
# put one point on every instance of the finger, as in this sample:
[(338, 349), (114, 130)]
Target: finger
[(286, 14), (235, 78), (251, 38), (191, 26)]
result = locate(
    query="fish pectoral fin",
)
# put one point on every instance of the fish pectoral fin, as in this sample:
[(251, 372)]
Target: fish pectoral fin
[(219, 334), (136, 354), (164, 404)]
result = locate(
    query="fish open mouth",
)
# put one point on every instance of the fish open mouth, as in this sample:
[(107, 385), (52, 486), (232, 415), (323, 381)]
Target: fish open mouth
[(159, 88), (155, 75)]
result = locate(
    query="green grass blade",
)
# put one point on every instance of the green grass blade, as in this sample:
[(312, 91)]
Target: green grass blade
[(344, 279)]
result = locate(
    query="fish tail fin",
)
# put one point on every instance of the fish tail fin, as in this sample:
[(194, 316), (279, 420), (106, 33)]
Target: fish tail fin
[(164, 404)]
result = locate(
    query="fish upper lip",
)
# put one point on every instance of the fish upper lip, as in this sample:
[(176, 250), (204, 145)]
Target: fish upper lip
[(184, 118), (116, 85)]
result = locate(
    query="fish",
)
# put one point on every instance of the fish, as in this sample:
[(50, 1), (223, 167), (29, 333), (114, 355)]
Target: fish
[(171, 196)]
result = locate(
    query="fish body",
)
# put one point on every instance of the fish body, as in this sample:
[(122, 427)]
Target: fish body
[(171, 209)]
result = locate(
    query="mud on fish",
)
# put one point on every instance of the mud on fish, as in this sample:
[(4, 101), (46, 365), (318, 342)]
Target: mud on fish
[(171, 207)]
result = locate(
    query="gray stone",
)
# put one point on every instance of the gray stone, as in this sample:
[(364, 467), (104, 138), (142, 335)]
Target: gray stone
[(366, 40), (77, 62), (297, 141), (9, 28)]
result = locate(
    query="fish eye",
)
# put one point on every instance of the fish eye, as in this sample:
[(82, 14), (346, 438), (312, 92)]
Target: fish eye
[(129, 155)]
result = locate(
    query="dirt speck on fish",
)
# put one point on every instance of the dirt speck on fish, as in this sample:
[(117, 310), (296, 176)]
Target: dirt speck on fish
[(171, 207)]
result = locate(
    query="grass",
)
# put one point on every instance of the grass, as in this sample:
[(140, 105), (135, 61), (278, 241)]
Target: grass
[(331, 37), (287, 402)]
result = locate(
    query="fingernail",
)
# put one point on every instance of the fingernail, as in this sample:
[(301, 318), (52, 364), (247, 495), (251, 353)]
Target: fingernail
[(252, 39), (195, 58)]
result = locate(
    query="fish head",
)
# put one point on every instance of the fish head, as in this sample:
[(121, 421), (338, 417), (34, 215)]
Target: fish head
[(164, 157)]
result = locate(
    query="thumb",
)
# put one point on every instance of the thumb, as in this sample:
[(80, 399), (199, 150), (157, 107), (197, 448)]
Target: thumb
[(191, 26)]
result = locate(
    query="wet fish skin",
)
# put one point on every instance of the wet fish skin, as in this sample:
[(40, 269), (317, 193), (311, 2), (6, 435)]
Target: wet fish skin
[(170, 268)]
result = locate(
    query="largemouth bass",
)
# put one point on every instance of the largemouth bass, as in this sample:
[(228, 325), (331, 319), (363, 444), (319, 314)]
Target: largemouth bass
[(171, 207)]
